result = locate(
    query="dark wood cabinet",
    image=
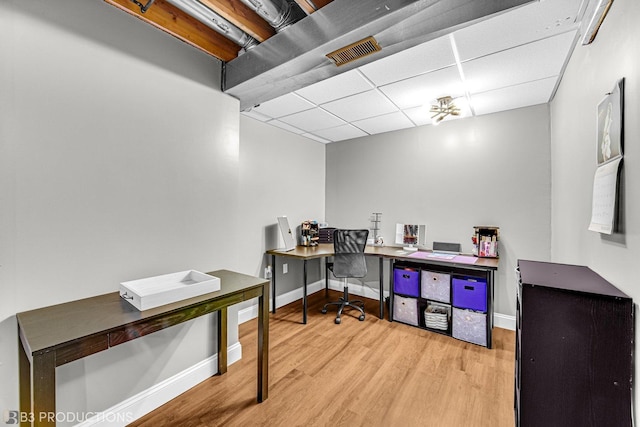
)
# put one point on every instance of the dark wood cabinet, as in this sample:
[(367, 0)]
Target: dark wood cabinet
[(574, 347)]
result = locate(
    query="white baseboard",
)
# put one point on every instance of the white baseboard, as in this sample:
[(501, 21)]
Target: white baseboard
[(142, 403), (504, 321), (367, 290)]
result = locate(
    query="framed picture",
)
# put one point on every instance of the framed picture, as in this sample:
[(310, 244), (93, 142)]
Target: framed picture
[(609, 142), (610, 122)]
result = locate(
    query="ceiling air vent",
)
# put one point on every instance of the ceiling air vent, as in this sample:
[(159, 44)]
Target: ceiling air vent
[(354, 51)]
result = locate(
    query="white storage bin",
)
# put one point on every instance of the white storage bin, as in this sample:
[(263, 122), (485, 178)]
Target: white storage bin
[(153, 292), (405, 310), (470, 326), (436, 286), (437, 316)]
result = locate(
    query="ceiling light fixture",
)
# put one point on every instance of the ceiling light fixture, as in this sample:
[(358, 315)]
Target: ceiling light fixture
[(445, 107)]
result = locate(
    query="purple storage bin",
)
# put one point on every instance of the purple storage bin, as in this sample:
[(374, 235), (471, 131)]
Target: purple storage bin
[(406, 281), (470, 293)]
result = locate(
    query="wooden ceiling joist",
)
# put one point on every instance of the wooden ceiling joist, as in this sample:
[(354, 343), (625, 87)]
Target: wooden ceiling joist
[(174, 21), (310, 6)]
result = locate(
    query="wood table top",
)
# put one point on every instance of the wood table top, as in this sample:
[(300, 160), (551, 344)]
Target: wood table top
[(49, 327)]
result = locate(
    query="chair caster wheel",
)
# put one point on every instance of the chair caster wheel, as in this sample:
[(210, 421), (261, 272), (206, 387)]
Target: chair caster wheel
[(324, 311), (361, 318), (338, 320)]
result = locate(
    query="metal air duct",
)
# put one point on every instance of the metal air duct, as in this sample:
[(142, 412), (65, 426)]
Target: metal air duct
[(216, 22), (278, 13)]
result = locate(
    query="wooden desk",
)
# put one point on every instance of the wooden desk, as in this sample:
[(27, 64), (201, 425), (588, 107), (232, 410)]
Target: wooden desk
[(392, 253), (323, 250), (55, 335)]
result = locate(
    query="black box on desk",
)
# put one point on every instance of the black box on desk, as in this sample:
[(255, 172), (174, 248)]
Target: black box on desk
[(326, 235)]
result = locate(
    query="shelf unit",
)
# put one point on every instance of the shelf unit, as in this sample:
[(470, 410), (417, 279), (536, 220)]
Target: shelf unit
[(462, 292), (574, 346)]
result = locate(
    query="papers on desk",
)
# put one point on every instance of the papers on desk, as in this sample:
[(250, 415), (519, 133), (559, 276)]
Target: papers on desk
[(438, 255)]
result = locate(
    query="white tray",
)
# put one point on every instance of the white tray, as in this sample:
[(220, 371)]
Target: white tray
[(168, 288)]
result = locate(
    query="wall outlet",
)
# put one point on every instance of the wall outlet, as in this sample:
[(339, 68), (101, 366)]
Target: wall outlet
[(285, 268), (267, 272)]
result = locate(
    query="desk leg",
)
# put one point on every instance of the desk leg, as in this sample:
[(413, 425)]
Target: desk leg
[(391, 262), (273, 283), (380, 274), (42, 383), (263, 345), (326, 277), (304, 295), (222, 341)]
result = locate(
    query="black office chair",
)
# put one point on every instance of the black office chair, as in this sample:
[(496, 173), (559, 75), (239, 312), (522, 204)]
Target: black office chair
[(348, 261)]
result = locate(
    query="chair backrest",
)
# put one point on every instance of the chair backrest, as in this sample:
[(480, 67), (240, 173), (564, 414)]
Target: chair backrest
[(348, 246)]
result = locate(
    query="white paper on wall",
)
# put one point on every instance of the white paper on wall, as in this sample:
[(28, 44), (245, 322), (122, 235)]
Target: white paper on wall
[(605, 187)]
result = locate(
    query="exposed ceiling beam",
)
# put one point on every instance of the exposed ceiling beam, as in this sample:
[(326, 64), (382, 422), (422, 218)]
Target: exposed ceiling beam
[(242, 17), (310, 6), (188, 29)]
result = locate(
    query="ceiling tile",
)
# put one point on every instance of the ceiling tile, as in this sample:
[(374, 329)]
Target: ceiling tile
[(256, 115), (340, 133), (429, 56), (425, 88), (360, 106), (533, 61), (285, 126), (386, 123), (534, 21), (312, 120), (316, 138), (523, 95), (337, 87), (283, 106)]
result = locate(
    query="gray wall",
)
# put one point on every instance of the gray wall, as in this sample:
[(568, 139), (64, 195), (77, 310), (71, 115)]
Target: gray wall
[(591, 73), (281, 173), (120, 159), (487, 170)]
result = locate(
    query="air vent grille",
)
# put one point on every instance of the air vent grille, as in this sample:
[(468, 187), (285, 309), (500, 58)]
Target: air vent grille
[(354, 51)]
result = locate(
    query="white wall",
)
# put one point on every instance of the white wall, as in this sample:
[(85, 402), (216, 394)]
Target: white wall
[(118, 160), (487, 170), (591, 73)]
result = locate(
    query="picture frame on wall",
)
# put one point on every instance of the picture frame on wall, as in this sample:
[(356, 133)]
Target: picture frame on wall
[(610, 114), (609, 154)]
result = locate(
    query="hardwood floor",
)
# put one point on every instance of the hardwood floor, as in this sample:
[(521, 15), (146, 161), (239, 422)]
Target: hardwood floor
[(371, 373)]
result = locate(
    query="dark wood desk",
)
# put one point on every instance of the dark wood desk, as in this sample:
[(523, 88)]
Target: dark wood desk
[(55, 335)]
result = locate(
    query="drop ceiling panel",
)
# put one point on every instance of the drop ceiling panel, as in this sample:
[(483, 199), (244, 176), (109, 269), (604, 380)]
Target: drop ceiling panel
[(369, 104), (385, 123), (533, 61), (430, 56), (312, 120), (533, 21), (425, 88), (340, 86), (285, 126), (523, 95), (256, 115), (340, 133), (283, 106), (316, 138)]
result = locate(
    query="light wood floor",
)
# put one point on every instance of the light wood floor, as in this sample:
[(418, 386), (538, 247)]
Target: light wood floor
[(371, 373)]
